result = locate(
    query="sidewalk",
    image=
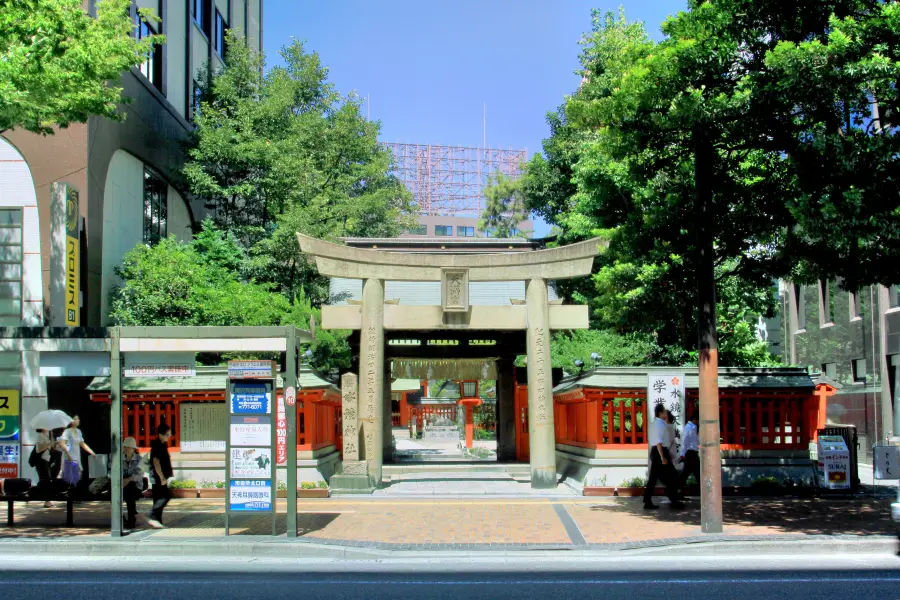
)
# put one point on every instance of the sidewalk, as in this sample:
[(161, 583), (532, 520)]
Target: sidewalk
[(606, 524)]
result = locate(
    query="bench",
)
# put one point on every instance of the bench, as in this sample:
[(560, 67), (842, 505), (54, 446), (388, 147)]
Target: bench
[(11, 500)]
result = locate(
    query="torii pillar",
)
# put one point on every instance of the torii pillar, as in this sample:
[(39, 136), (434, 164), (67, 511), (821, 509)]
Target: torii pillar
[(371, 377)]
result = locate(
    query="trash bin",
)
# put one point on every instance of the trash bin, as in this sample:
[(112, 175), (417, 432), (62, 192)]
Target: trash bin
[(848, 432), (833, 463)]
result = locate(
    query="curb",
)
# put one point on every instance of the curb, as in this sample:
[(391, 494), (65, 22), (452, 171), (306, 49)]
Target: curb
[(284, 548)]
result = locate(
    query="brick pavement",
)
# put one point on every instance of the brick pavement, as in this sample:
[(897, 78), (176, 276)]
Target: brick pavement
[(488, 523)]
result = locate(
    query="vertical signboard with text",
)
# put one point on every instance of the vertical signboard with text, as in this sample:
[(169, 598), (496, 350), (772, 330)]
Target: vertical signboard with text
[(667, 389), (9, 434), (73, 271), (251, 439)]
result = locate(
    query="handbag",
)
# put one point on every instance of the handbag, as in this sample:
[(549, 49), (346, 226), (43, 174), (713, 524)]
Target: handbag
[(71, 472)]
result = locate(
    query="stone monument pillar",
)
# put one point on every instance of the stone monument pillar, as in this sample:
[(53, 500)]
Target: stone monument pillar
[(354, 475), (371, 377), (542, 437)]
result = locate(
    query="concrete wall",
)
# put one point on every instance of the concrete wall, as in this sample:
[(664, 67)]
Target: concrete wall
[(175, 52), (431, 220), (311, 466)]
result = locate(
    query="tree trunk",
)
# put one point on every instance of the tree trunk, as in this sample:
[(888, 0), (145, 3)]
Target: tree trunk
[(710, 450)]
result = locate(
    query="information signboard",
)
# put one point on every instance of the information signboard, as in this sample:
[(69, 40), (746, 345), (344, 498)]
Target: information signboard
[(250, 495), (251, 399), (887, 462), (251, 441), (667, 389)]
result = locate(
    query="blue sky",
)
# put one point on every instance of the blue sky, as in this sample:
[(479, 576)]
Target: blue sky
[(430, 66)]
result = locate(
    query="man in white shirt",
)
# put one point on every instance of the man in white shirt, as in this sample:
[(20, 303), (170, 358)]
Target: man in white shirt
[(661, 466), (690, 452)]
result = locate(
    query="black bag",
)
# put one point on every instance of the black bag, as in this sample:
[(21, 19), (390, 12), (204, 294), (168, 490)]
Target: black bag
[(33, 458), (51, 489), (16, 487)]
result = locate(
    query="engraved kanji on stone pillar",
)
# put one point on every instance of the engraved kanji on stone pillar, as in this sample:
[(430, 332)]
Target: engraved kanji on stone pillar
[(371, 373), (541, 434), (350, 416)]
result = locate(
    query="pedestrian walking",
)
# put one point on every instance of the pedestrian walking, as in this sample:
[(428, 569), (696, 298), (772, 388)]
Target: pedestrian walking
[(72, 443), (661, 466), (160, 472), (690, 452), (133, 477)]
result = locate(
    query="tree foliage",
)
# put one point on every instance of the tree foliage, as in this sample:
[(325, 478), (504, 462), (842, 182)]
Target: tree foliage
[(201, 283), (59, 65), (762, 109), (504, 208), (280, 151)]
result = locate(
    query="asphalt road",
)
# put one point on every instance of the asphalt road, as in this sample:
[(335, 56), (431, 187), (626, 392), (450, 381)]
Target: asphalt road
[(446, 580)]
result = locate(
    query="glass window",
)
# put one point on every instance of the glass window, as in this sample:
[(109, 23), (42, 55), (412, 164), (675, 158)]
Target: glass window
[(197, 9), (830, 370), (196, 98), (443, 230), (859, 370), (221, 27), (468, 390), (418, 230), (827, 289), (465, 231), (152, 67), (800, 301), (155, 208), (894, 296)]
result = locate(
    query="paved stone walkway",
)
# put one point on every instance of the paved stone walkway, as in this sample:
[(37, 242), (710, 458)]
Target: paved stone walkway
[(469, 523), (447, 484)]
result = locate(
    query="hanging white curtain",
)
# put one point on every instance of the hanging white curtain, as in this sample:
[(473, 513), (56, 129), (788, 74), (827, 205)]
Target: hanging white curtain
[(449, 368)]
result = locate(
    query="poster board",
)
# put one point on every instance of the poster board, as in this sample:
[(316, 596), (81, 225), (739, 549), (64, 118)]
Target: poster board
[(250, 442)]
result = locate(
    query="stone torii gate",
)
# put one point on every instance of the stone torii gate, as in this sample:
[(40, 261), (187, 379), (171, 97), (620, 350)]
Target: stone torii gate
[(363, 446)]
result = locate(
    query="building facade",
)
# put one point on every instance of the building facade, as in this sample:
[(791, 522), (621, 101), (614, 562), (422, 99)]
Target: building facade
[(853, 341), (125, 174), (72, 204)]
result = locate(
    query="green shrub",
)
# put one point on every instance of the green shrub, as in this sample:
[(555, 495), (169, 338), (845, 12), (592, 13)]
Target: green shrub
[(220, 485), (187, 484), (307, 485), (282, 486), (205, 485), (635, 482), (765, 483), (323, 485), (691, 481)]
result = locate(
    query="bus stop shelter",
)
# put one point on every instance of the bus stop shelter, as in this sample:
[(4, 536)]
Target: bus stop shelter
[(116, 342)]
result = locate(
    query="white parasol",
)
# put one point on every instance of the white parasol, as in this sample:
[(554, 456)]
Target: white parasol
[(51, 419)]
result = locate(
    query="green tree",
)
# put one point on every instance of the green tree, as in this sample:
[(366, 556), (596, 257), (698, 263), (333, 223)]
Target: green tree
[(707, 148), (201, 283), (504, 208), (281, 151), (58, 65)]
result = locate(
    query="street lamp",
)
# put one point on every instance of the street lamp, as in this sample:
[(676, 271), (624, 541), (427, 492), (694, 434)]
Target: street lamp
[(596, 358)]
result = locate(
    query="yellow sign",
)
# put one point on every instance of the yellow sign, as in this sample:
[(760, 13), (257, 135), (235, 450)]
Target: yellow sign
[(9, 403), (72, 272)]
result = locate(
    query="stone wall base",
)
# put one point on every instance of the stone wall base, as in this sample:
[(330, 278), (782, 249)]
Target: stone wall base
[(352, 478), (315, 467), (578, 471)]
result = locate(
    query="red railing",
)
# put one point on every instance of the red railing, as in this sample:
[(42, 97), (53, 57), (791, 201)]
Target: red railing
[(765, 421), (594, 419), (140, 420), (430, 413), (749, 420), (318, 420)]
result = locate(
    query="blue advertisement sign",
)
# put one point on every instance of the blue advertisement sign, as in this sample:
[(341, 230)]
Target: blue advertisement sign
[(250, 399), (253, 495)]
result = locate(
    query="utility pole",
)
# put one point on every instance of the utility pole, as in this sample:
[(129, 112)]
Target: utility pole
[(710, 448)]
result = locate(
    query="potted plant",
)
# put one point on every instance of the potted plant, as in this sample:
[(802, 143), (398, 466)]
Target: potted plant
[(310, 489), (212, 489), (632, 487), (184, 488), (281, 491)]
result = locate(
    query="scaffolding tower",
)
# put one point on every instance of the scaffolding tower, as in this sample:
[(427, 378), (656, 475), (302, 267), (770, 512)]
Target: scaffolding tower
[(450, 180)]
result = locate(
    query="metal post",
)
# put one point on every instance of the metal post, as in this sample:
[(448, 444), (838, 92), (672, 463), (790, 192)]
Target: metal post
[(115, 426), (227, 455), (290, 383)]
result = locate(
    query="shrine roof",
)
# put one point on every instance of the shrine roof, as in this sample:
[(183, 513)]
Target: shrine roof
[(791, 378), (207, 378)]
